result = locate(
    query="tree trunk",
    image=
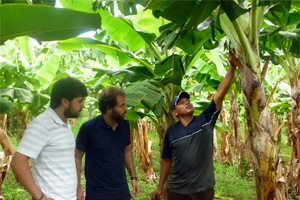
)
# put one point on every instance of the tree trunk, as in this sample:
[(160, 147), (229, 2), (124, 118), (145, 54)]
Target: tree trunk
[(276, 127), (264, 157), (236, 128), (144, 147), (294, 178), (161, 132), (289, 127), (6, 144), (6, 157), (226, 152)]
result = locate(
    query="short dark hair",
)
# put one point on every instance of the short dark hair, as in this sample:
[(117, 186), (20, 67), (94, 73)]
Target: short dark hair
[(108, 98), (68, 88)]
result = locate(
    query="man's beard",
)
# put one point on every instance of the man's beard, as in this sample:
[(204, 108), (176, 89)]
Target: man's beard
[(116, 116), (69, 114)]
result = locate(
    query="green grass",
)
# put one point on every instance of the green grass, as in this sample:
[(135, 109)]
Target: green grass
[(13, 190), (230, 184)]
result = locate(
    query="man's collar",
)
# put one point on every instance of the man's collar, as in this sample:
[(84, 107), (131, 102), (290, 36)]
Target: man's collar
[(55, 117), (102, 121)]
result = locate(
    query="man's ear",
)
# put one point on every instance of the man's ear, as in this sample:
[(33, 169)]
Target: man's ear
[(174, 112), (65, 102), (108, 110)]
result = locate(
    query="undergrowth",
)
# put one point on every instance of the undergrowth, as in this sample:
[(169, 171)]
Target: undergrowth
[(230, 183)]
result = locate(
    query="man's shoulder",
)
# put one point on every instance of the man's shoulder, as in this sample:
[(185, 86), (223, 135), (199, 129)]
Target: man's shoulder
[(42, 118), (124, 122), (93, 121), (173, 127)]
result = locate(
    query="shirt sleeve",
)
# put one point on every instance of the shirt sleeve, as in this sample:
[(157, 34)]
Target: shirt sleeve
[(34, 140), (210, 111), (167, 150), (83, 138)]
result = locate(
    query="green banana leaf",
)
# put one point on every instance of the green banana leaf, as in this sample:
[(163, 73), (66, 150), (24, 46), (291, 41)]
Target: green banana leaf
[(44, 23), (23, 95), (121, 29), (48, 70), (5, 105), (121, 56)]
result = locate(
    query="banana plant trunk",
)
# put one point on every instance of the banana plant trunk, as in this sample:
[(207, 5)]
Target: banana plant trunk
[(243, 32), (236, 128), (291, 66), (276, 127), (144, 149), (295, 136), (264, 157), (226, 151), (6, 156)]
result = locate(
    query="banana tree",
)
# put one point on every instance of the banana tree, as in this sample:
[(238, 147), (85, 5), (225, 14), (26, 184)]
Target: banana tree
[(282, 40), (242, 28), (241, 22), (28, 71), (291, 66)]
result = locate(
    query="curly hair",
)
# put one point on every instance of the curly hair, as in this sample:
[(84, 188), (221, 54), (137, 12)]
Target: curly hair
[(108, 98)]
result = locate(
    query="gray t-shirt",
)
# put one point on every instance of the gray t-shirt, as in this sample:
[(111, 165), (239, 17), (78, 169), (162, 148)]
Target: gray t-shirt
[(191, 149)]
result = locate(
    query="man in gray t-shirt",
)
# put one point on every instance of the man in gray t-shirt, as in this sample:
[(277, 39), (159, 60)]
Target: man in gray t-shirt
[(188, 148)]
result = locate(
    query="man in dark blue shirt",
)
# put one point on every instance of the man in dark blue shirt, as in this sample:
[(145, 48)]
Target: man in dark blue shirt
[(105, 141), (187, 156)]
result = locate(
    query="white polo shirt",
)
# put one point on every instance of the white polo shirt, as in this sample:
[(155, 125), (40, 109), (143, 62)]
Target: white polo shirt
[(50, 144)]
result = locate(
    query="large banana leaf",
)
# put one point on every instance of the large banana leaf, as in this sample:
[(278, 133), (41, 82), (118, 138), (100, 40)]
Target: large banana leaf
[(121, 29), (80, 5), (44, 23), (131, 74), (23, 95), (214, 56), (169, 65), (27, 49), (5, 105), (143, 92), (203, 11), (122, 56), (193, 40), (232, 9), (145, 21), (48, 70)]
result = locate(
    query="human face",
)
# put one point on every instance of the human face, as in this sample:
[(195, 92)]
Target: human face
[(75, 107), (120, 110), (184, 107)]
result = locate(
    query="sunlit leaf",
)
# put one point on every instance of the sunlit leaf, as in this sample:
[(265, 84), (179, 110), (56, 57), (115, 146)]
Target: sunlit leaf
[(44, 23)]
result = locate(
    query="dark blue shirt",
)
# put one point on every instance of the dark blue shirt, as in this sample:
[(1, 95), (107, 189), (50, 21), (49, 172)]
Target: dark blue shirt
[(104, 159), (191, 149)]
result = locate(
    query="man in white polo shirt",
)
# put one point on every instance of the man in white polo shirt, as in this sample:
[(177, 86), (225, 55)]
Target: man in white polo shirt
[(49, 143)]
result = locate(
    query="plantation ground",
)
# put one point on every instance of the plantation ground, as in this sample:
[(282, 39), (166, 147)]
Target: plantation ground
[(230, 184)]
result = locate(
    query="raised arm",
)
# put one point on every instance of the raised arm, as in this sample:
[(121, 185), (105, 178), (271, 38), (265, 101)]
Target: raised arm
[(131, 170), (225, 84)]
